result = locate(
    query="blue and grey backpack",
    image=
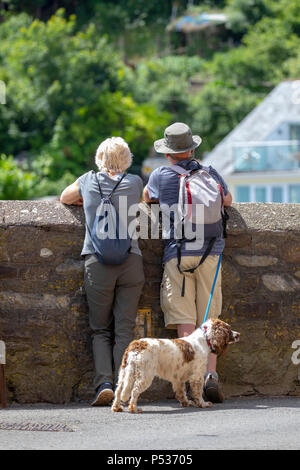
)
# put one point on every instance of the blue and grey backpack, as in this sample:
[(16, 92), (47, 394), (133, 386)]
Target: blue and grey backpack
[(110, 240)]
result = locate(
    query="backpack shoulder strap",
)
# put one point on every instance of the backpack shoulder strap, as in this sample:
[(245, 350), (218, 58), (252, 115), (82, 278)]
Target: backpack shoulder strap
[(178, 169), (183, 171), (114, 188), (100, 191)]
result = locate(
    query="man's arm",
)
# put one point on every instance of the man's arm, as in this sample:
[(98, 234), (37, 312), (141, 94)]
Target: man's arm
[(71, 195), (147, 198), (151, 190)]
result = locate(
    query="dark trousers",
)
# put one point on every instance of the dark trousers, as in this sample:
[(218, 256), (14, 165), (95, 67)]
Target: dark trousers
[(113, 293)]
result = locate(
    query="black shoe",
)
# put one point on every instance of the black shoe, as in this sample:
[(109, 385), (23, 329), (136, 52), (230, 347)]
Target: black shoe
[(104, 395)]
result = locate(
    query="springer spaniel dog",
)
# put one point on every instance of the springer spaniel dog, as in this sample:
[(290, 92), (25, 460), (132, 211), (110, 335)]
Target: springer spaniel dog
[(176, 360)]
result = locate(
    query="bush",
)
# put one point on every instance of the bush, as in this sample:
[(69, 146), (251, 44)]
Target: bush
[(165, 83), (66, 93), (15, 183)]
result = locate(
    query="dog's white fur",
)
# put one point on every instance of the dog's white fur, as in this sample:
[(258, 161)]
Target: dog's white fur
[(178, 361)]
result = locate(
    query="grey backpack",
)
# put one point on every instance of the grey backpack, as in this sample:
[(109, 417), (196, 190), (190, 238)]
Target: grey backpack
[(199, 188), (111, 242)]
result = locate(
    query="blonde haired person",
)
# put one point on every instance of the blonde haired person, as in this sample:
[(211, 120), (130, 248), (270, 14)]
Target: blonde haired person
[(113, 155), (113, 291)]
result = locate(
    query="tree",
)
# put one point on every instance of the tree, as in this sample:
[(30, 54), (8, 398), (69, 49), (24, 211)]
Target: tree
[(65, 93), (15, 183), (165, 83), (242, 14), (217, 110)]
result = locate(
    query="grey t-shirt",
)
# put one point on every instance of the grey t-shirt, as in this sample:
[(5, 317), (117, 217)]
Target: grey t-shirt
[(131, 186)]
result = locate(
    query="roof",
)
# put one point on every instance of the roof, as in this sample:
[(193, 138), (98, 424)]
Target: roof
[(281, 105), (192, 23)]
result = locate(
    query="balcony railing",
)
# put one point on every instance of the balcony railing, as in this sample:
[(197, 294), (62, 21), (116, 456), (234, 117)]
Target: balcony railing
[(266, 156)]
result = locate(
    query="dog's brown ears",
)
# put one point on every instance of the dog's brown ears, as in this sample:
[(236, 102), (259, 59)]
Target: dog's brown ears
[(221, 336)]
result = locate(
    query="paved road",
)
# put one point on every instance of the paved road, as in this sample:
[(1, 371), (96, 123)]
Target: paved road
[(257, 423)]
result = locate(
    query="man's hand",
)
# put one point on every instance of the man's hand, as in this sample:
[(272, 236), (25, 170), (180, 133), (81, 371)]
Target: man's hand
[(228, 200), (78, 203), (147, 198)]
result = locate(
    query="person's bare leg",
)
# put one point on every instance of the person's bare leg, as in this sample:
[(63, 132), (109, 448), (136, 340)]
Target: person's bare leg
[(212, 363), (185, 330)]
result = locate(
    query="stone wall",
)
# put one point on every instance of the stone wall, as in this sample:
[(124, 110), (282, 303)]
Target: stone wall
[(43, 312)]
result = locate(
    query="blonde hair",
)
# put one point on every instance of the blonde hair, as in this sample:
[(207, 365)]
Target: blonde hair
[(113, 154)]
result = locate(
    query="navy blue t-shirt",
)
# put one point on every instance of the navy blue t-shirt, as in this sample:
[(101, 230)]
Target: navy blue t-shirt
[(163, 185)]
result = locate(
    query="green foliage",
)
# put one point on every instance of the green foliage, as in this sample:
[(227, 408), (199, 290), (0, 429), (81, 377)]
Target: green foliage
[(240, 68), (288, 12), (46, 186), (19, 182), (127, 10), (117, 16), (77, 136), (217, 110), (257, 64), (196, 8), (130, 11), (65, 93), (245, 13), (273, 41), (15, 183), (48, 70), (165, 83), (68, 87)]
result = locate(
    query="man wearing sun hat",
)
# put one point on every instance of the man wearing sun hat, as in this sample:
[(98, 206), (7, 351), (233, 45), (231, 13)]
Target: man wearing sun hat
[(185, 313)]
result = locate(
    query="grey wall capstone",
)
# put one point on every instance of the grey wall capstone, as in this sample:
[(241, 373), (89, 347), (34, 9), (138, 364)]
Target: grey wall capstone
[(43, 310)]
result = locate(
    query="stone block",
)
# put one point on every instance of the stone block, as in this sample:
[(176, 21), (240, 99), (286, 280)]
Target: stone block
[(35, 273), (230, 276), (34, 245), (21, 300), (279, 283), (7, 272), (291, 252), (239, 240), (70, 267), (256, 261)]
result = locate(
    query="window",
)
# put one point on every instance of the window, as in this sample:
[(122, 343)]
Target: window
[(269, 193), (243, 194), (295, 132), (277, 194), (294, 193), (280, 155), (260, 194)]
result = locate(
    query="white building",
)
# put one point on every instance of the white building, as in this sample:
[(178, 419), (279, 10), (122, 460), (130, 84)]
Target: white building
[(260, 158)]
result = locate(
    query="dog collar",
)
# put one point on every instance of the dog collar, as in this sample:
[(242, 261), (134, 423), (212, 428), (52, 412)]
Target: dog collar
[(204, 328)]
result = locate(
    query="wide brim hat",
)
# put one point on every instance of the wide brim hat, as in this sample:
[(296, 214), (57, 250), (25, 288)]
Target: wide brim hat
[(178, 138)]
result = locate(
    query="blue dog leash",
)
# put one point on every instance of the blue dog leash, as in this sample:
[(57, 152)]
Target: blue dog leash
[(212, 289)]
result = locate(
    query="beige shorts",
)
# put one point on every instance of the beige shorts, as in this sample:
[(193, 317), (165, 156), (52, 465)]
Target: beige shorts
[(191, 308)]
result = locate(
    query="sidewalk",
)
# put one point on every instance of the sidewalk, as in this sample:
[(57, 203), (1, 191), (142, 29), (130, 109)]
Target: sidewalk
[(255, 423)]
